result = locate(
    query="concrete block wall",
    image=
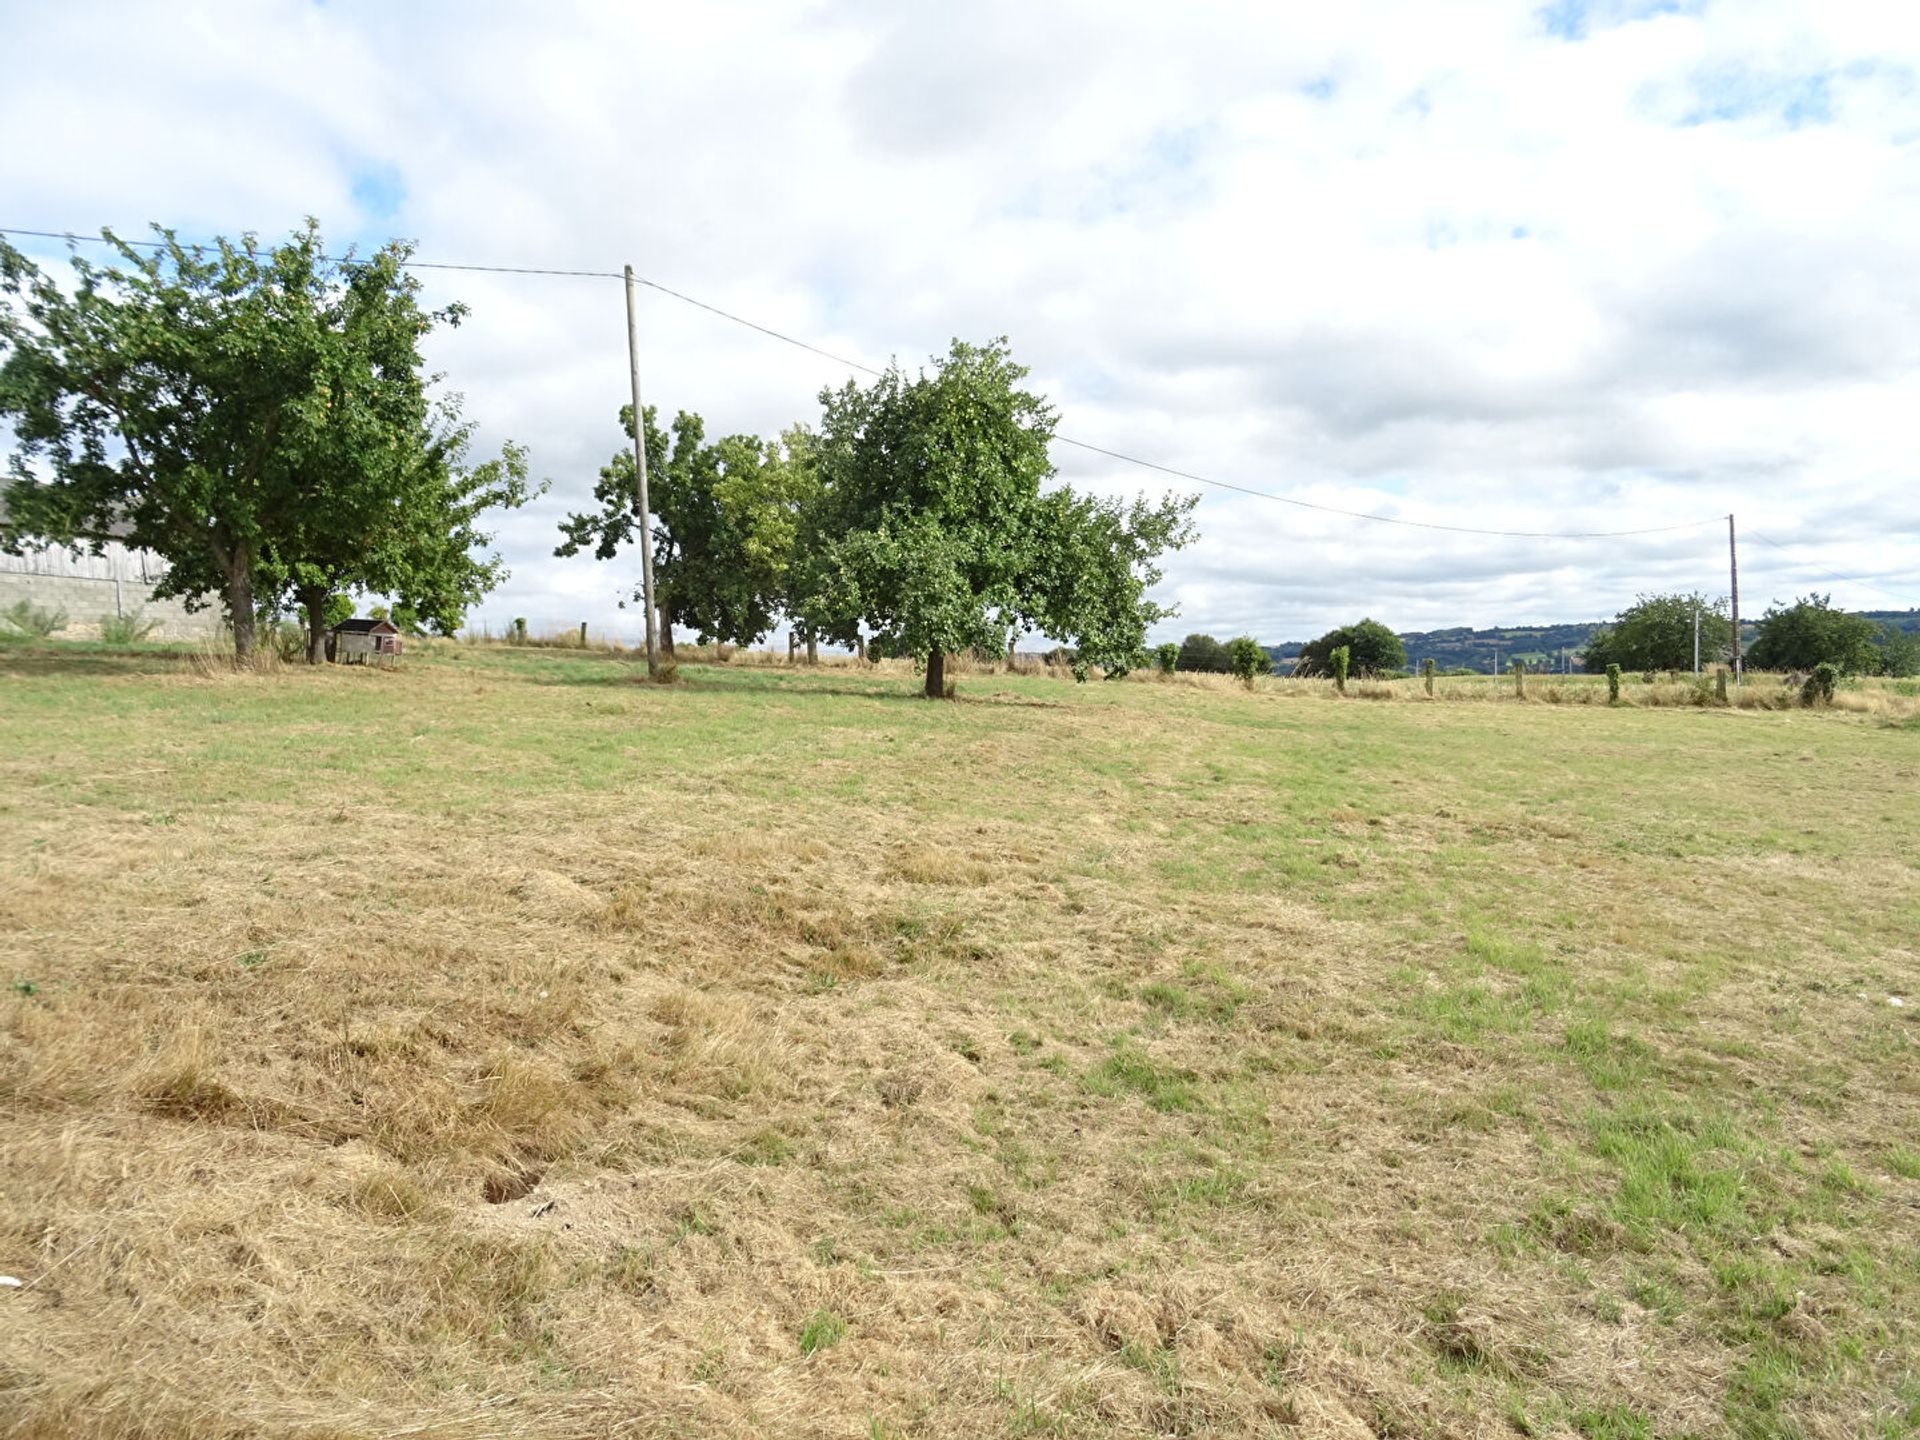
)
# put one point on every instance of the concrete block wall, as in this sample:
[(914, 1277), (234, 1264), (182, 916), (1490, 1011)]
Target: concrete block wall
[(88, 587)]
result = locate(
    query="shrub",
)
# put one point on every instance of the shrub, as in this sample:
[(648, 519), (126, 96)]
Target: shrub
[(1246, 659), (1167, 657), (518, 635), (1202, 653), (1372, 649), (286, 639), (36, 622), (1338, 657), (1426, 671), (1613, 684), (1818, 689), (128, 629), (1899, 651)]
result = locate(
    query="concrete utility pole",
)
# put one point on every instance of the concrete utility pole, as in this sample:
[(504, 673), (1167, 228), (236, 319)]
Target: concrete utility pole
[(640, 475), (1696, 639), (1733, 569)]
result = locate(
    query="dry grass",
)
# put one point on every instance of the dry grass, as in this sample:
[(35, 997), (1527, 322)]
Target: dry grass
[(496, 1047)]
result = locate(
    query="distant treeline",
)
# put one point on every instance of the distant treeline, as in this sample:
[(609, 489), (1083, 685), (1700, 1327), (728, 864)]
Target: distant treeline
[(1463, 647)]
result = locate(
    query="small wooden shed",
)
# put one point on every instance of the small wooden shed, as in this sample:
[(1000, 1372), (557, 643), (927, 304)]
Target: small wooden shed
[(365, 642)]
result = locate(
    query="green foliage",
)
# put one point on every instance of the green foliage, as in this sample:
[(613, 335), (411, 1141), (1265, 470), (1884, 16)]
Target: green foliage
[(258, 417), (1613, 682), (1426, 673), (1203, 655), (1372, 649), (1809, 632), (128, 629), (931, 532), (1899, 651), (1818, 688), (926, 482), (726, 518), (1247, 660), (1656, 633), (1166, 658), (1341, 657), (34, 622)]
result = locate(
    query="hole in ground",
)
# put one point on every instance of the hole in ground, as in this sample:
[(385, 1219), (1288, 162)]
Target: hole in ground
[(504, 1185)]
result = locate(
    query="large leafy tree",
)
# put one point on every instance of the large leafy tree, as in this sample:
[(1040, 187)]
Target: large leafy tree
[(258, 417), (1372, 649), (1656, 633), (724, 519), (931, 533), (153, 399), (1811, 632)]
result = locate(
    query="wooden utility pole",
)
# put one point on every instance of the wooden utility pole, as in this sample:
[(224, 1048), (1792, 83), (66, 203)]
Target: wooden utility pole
[(1733, 570), (1696, 638), (640, 476)]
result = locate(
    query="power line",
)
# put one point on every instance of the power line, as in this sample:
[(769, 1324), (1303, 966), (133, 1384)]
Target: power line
[(752, 325), (1384, 519), (1838, 579), (1087, 445)]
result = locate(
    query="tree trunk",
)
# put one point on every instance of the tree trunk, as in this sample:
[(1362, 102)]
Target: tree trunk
[(936, 674), (666, 635), (240, 606), (813, 648), (314, 602)]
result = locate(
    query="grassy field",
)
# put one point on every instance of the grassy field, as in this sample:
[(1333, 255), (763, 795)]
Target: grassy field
[(499, 1047)]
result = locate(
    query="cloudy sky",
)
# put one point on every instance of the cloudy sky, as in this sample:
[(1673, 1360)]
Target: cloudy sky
[(1580, 266)]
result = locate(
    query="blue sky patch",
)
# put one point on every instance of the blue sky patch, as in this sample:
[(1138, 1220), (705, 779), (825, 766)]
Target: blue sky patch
[(1733, 94), (1577, 19), (378, 192)]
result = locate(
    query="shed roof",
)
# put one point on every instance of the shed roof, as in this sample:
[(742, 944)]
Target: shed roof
[(358, 626)]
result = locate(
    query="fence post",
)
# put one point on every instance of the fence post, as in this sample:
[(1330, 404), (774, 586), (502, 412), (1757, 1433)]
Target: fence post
[(583, 634), (1519, 679)]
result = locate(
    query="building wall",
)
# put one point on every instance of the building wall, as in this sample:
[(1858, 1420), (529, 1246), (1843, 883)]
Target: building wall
[(88, 587)]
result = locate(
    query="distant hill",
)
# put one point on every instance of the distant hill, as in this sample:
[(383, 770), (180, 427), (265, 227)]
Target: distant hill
[(1465, 648)]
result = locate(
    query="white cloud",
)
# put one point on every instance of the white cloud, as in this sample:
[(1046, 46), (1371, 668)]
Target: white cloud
[(1435, 261)]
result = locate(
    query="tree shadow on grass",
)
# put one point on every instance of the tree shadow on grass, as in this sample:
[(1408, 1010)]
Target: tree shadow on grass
[(36, 660), (787, 684)]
